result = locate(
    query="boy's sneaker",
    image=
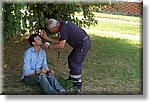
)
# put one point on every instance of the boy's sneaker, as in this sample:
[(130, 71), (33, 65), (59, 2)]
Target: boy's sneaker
[(62, 92)]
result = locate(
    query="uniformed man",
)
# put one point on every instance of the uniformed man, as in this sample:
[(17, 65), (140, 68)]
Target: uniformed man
[(77, 38)]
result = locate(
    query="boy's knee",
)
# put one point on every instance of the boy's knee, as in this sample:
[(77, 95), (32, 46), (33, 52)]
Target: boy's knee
[(51, 76)]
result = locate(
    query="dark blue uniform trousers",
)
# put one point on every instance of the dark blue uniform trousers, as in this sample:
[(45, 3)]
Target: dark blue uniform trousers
[(75, 60)]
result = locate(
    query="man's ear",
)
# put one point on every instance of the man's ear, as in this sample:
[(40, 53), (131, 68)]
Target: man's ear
[(33, 43)]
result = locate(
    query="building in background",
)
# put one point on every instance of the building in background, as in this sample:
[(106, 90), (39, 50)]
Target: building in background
[(139, 1), (125, 7)]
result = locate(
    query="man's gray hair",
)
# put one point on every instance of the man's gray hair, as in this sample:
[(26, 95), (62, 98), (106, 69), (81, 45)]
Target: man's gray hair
[(52, 23)]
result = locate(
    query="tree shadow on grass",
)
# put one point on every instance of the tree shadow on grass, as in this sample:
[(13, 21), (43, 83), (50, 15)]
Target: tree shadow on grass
[(13, 63), (112, 66)]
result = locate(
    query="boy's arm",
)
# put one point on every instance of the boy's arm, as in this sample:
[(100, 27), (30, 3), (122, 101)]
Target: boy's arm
[(27, 65), (44, 70)]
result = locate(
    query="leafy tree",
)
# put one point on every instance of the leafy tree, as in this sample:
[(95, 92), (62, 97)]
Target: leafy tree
[(20, 17), (40, 13), (12, 19)]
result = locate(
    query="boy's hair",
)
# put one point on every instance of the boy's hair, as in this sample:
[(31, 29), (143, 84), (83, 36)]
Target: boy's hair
[(31, 38)]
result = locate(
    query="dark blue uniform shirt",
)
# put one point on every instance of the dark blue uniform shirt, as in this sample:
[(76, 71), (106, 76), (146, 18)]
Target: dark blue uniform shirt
[(71, 33)]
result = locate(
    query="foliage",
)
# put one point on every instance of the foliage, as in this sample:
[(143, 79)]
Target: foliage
[(22, 17), (12, 19)]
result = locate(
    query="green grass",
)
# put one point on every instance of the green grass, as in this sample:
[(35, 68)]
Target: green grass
[(112, 66), (113, 16), (117, 27)]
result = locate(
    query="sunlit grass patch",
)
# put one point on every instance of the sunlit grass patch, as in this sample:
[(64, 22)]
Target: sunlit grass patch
[(113, 16), (118, 27), (113, 66)]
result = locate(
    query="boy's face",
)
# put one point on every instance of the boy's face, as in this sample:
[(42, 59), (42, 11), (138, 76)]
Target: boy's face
[(37, 41)]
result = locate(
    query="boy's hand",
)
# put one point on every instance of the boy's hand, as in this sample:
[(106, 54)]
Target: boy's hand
[(44, 70), (37, 71), (52, 72)]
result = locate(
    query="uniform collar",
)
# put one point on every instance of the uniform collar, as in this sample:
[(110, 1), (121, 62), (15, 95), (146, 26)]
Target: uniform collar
[(58, 25)]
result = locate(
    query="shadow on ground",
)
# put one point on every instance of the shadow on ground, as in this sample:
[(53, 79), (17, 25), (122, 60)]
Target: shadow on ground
[(112, 66)]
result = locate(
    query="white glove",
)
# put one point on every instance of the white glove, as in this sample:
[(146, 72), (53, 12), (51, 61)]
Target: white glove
[(48, 43)]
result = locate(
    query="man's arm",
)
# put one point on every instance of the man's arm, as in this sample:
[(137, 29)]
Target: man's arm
[(52, 40), (60, 45), (44, 35)]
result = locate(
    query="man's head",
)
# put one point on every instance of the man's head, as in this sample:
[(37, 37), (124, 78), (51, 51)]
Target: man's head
[(52, 25), (35, 40)]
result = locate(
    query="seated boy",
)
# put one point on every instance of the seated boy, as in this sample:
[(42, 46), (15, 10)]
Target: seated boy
[(35, 68)]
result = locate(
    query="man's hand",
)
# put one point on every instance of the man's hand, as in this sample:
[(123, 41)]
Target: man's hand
[(44, 35)]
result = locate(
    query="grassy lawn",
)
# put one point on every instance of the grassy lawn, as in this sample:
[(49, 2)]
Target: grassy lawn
[(115, 66), (118, 27), (113, 16), (112, 66)]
